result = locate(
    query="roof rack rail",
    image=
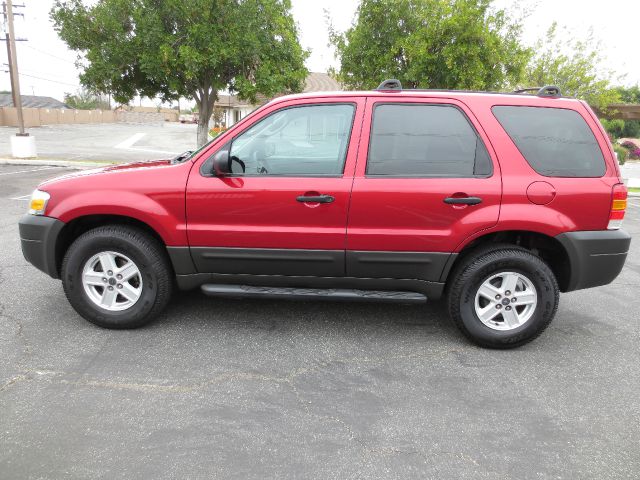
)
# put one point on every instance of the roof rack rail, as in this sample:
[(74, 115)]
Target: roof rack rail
[(391, 84), (546, 91), (549, 91)]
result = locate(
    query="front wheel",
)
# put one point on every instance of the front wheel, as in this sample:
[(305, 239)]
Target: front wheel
[(117, 277), (503, 297)]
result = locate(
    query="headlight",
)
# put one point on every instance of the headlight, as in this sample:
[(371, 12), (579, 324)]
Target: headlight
[(38, 202)]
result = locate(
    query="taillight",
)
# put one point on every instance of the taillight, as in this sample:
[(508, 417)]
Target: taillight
[(618, 206)]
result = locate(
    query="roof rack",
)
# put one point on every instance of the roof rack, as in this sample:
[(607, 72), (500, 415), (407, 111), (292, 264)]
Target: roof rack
[(549, 91), (546, 91), (391, 84)]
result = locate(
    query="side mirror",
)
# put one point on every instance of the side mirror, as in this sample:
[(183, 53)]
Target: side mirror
[(222, 163)]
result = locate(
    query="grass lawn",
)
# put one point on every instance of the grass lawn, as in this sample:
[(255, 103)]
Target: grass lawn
[(634, 189)]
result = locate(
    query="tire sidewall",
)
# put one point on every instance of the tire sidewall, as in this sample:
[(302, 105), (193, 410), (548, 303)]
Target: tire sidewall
[(80, 252), (544, 311)]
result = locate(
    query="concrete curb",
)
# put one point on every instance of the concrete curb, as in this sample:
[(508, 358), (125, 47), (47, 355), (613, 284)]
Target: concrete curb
[(43, 162)]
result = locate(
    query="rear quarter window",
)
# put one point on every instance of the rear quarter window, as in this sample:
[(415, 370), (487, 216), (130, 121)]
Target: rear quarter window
[(555, 142)]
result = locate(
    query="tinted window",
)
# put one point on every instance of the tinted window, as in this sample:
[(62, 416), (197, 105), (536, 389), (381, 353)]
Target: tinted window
[(425, 140), (555, 142), (309, 140)]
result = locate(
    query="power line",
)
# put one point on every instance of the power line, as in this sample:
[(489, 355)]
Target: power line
[(49, 54), (28, 71), (49, 80)]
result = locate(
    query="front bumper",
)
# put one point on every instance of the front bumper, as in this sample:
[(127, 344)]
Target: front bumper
[(38, 236), (595, 257)]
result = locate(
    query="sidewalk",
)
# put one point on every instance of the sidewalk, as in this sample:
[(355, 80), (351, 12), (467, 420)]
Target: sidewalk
[(631, 173), (50, 162)]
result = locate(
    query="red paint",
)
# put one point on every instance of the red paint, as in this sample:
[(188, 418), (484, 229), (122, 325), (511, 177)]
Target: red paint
[(541, 193), (262, 212), (152, 192), (399, 214), (409, 214)]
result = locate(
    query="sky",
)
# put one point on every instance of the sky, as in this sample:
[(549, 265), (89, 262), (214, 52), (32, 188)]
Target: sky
[(47, 67)]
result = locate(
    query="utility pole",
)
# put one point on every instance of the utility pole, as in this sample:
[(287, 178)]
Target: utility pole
[(13, 64), (22, 145)]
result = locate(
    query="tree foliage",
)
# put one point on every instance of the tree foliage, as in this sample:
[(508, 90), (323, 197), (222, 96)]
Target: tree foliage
[(464, 44), (178, 48), (619, 128), (572, 65), (629, 94), (85, 100)]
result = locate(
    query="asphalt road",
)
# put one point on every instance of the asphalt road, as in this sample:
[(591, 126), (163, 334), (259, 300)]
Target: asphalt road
[(273, 389), (112, 142)]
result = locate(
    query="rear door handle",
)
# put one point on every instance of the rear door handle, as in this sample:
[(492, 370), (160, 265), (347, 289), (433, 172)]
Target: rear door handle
[(316, 199), (462, 200)]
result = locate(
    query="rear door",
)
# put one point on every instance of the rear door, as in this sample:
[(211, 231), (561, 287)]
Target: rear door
[(286, 213), (426, 179)]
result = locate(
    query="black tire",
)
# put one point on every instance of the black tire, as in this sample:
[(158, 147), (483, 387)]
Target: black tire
[(148, 255), (480, 266)]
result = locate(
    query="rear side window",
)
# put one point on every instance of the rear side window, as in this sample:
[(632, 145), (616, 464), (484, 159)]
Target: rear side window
[(555, 142), (414, 140)]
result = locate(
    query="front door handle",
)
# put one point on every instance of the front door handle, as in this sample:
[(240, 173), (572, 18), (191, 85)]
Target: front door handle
[(462, 200), (316, 198)]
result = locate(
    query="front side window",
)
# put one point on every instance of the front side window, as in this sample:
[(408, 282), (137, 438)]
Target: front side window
[(420, 140), (555, 142), (309, 140)]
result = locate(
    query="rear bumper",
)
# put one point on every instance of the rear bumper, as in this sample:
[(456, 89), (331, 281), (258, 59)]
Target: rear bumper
[(38, 236), (596, 257)]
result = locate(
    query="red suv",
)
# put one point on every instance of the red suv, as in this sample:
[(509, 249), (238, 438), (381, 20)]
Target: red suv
[(498, 201)]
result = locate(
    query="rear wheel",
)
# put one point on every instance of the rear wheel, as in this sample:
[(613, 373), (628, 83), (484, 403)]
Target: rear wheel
[(117, 277), (503, 297)]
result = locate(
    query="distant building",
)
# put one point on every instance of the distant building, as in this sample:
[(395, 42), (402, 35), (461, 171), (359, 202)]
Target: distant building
[(321, 82), (32, 101), (232, 109)]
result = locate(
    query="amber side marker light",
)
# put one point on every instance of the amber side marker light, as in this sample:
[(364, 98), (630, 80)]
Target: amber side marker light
[(38, 202), (618, 206)]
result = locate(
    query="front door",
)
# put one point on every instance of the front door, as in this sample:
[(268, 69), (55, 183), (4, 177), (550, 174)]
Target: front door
[(284, 209), (429, 181)]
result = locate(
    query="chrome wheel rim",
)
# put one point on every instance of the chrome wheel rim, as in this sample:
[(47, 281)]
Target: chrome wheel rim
[(506, 301), (112, 281)]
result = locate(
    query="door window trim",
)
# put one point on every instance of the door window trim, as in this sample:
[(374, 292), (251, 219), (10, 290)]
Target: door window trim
[(208, 163), (432, 104)]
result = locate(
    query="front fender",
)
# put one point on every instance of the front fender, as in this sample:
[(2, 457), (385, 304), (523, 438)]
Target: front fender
[(163, 212)]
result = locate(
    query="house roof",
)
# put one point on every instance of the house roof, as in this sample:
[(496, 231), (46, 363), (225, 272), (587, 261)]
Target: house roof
[(225, 100), (321, 82), (315, 82), (31, 101)]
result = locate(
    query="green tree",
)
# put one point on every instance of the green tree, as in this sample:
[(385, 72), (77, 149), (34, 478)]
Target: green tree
[(614, 127), (465, 44), (619, 128), (629, 94), (85, 100), (571, 64), (176, 48)]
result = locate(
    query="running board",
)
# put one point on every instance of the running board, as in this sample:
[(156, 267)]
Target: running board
[(248, 291)]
